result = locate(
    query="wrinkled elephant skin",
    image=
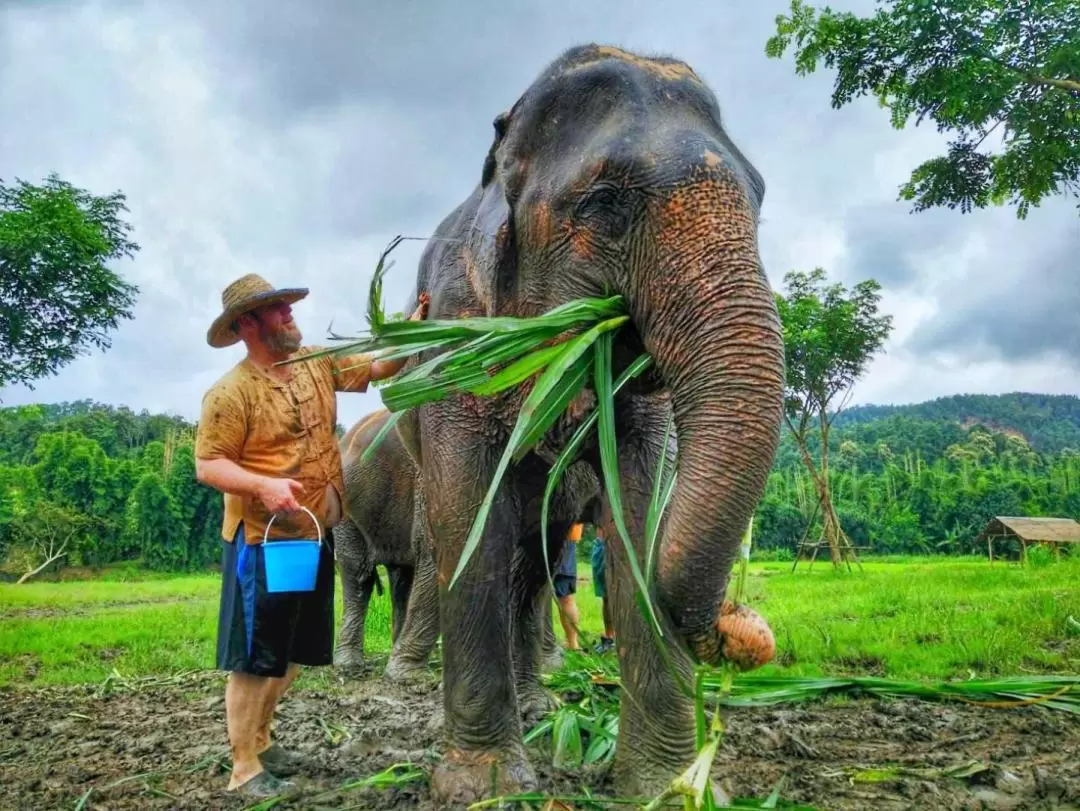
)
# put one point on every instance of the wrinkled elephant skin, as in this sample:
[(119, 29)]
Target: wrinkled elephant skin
[(381, 496), (612, 173)]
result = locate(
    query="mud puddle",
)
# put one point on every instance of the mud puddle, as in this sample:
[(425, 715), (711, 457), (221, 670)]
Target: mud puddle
[(168, 738)]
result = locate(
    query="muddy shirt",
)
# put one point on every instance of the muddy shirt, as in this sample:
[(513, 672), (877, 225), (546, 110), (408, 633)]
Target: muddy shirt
[(282, 429)]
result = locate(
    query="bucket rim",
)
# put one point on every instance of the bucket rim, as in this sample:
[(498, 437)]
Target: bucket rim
[(314, 520)]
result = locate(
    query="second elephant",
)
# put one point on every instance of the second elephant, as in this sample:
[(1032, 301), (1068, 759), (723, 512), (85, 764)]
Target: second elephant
[(384, 525)]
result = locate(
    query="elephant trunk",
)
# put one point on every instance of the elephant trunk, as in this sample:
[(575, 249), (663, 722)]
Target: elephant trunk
[(710, 322)]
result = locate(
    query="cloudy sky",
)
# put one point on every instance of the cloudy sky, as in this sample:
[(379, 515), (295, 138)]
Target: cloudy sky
[(296, 139)]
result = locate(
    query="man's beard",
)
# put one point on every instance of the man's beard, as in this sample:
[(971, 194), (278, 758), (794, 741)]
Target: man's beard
[(285, 341)]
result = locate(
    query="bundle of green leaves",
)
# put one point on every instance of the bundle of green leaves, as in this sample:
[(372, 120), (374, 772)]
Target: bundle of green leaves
[(561, 350)]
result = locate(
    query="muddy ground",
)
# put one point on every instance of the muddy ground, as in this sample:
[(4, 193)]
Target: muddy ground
[(58, 743)]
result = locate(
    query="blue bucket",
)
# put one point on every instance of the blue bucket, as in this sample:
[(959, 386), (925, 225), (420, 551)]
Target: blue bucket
[(291, 565)]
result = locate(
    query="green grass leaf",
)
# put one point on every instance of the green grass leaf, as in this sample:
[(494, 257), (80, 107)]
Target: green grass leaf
[(609, 450), (566, 738), (518, 371), (661, 495), (545, 385), (569, 453), (388, 426)]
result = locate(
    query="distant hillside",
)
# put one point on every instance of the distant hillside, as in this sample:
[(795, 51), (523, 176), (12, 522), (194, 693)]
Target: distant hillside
[(1049, 422)]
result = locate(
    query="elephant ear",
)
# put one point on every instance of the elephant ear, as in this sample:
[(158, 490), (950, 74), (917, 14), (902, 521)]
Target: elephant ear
[(491, 262)]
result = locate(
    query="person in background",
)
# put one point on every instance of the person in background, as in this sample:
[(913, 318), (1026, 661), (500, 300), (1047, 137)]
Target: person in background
[(599, 579), (565, 581), (265, 440)]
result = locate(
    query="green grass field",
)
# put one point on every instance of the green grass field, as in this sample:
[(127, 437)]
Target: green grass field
[(905, 618)]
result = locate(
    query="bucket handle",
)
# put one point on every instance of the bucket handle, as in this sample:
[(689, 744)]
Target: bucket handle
[(314, 520)]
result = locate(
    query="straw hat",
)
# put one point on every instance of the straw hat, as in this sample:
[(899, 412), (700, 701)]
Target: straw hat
[(244, 295)]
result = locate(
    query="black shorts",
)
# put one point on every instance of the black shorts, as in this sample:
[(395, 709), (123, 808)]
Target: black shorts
[(564, 586), (564, 578), (260, 632)]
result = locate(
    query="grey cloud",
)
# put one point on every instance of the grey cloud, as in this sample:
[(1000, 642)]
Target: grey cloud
[(892, 245), (1019, 300), (295, 140)]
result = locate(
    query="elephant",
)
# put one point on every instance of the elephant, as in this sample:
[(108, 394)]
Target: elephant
[(383, 524), (611, 174)]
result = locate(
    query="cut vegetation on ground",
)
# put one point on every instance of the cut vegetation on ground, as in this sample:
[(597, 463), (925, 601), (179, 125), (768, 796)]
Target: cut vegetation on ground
[(99, 676)]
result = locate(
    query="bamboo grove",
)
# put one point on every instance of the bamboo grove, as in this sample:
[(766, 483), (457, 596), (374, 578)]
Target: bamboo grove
[(119, 487)]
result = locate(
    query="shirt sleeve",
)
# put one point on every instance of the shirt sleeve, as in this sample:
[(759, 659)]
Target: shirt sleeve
[(222, 426), (350, 372)]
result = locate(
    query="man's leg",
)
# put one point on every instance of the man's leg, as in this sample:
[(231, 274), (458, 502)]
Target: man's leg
[(275, 689), (244, 700), (255, 653), (568, 610)]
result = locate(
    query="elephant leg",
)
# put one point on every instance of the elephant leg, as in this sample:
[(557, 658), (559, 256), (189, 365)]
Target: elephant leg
[(482, 726), (420, 629), (401, 581), (551, 656), (656, 718), (530, 594), (357, 581)]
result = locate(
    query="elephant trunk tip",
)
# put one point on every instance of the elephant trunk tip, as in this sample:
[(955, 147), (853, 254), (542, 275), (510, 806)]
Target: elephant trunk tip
[(739, 636)]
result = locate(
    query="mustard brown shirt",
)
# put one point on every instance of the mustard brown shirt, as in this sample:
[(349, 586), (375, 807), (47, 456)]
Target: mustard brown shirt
[(281, 429)]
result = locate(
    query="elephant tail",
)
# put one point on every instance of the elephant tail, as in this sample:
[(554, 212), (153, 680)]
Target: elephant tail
[(377, 581)]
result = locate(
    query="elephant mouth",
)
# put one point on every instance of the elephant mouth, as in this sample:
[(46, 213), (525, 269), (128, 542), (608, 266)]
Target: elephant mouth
[(627, 347)]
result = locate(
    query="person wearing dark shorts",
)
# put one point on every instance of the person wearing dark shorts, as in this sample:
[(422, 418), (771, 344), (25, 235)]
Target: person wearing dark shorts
[(261, 632), (265, 440), (599, 579), (565, 581)]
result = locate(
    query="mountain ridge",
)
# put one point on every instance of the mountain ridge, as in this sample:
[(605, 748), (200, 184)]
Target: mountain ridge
[(1049, 422)]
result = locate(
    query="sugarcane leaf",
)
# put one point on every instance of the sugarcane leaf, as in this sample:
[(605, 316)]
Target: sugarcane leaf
[(609, 450), (543, 386), (388, 426), (554, 404), (375, 315), (516, 372), (566, 739), (539, 730), (640, 364), (661, 495)]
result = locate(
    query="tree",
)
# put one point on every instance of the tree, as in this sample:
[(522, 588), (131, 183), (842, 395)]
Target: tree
[(830, 335), (57, 297), (45, 534), (974, 67)]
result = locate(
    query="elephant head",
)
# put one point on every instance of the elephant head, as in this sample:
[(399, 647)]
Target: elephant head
[(614, 174)]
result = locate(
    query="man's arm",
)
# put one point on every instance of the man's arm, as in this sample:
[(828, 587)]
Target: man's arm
[(278, 495), (357, 379), (219, 443)]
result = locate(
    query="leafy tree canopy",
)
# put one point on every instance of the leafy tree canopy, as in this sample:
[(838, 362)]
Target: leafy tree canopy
[(975, 67), (830, 334), (57, 297)]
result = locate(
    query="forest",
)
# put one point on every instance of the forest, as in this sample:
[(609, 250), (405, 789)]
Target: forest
[(96, 485)]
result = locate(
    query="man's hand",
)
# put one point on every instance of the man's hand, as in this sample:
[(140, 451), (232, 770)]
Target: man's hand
[(421, 309), (279, 495)]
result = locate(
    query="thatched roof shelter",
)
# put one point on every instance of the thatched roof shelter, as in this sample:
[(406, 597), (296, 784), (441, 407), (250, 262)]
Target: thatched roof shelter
[(1050, 531)]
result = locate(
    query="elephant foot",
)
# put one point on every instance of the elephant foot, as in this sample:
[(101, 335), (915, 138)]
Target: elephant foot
[(647, 779), (535, 703), (465, 777), (402, 670), (349, 664), (552, 660)]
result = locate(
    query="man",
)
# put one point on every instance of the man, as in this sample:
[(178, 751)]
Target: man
[(565, 582), (599, 577), (266, 441)]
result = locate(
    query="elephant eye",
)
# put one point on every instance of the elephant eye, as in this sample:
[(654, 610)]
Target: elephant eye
[(599, 199), (608, 209)]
